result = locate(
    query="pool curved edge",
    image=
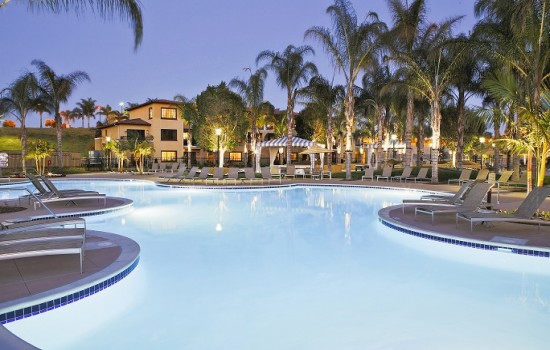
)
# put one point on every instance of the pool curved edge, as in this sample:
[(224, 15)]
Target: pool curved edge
[(385, 218), (32, 305)]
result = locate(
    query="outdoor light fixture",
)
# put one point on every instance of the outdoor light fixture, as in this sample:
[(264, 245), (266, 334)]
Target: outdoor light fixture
[(121, 104)]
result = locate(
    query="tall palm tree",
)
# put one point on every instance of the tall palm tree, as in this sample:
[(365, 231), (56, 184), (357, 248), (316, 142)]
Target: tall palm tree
[(327, 97), (351, 46), (126, 10), (252, 92), (18, 99), (403, 36), (292, 72), (88, 108), (517, 35), (189, 111), (41, 106), (431, 75), (56, 89)]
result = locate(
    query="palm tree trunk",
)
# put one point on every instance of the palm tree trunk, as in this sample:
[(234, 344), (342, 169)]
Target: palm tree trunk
[(461, 101), (253, 138), (350, 116), (289, 125), (40, 114), (409, 127), (329, 139), (58, 130), (436, 132), (23, 147)]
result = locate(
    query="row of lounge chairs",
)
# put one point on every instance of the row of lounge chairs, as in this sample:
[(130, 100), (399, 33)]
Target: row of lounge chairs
[(195, 175), (405, 176), (468, 204), (52, 194)]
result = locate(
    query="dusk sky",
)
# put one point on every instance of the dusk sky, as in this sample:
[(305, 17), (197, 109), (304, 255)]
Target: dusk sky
[(187, 45)]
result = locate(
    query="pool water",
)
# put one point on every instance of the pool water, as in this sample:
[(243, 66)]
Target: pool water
[(294, 268)]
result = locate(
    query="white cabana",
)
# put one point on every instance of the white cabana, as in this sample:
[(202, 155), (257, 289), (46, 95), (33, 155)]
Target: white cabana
[(274, 145)]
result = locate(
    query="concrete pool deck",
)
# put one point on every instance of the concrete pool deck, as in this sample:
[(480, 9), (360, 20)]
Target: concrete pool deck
[(24, 279)]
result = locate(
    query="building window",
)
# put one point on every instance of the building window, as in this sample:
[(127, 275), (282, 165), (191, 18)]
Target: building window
[(168, 113), (150, 112), (168, 156), (168, 135), (133, 134), (235, 156), (294, 156)]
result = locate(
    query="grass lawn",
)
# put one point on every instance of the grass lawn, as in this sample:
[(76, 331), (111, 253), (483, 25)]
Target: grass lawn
[(79, 140)]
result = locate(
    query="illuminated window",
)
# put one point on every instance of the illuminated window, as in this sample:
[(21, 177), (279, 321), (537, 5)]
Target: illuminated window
[(168, 113), (168, 135), (168, 156), (294, 156), (236, 156)]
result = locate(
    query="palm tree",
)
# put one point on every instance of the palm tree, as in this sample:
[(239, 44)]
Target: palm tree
[(189, 111), (67, 116), (351, 47), (431, 73), (292, 72), (56, 89), (517, 35), (407, 21), (126, 10), (326, 97), (18, 99), (88, 108), (252, 92), (40, 106)]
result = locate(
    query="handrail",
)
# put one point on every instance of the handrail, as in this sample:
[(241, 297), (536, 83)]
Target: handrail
[(34, 196)]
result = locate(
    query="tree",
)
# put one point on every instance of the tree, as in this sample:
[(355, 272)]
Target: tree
[(407, 21), (252, 92), (88, 108), (219, 108), (67, 116), (431, 75), (39, 151), (188, 112), (351, 47), (56, 89), (40, 106), (326, 97), (126, 10), (140, 151), (18, 99), (291, 72)]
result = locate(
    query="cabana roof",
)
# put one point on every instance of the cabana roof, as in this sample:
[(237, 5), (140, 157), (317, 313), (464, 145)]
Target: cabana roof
[(281, 142)]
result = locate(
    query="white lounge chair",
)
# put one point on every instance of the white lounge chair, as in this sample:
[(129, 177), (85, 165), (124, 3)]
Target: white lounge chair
[(386, 173), (404, 175), (249, 175), (421, 176), (368, 174), (472, 201), (524, 213)]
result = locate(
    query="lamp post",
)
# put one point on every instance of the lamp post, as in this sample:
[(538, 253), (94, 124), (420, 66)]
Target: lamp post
[(482, 142), (121, 104), (218, 133), (393, 138)]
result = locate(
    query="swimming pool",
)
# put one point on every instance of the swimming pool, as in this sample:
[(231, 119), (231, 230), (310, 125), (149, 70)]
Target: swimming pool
[(294, 268)]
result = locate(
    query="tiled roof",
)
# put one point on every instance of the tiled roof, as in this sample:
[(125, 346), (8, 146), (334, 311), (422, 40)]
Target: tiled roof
[(150, 102), (136, 121)]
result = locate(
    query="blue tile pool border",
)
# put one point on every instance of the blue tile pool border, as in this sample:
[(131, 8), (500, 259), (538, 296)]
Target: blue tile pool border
[(70, 298), (465, 243)]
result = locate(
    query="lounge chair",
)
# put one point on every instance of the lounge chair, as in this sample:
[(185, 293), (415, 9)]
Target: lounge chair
[(455, 198), (368, 174), (53, 189), (386, 173), (232, 175), (267, 175), (275, 172), (219, 174), (203, 175), (175, 176), (502, 180), (71, 198), (404, 175), (190, 175), (524, 213), (250, 175), (463, 177), (482, 175), (472, 201), (290, 171), (422, 176), (521, 183)]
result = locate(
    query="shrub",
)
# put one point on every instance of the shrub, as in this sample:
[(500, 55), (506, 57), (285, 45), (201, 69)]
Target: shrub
[(9, 124)]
